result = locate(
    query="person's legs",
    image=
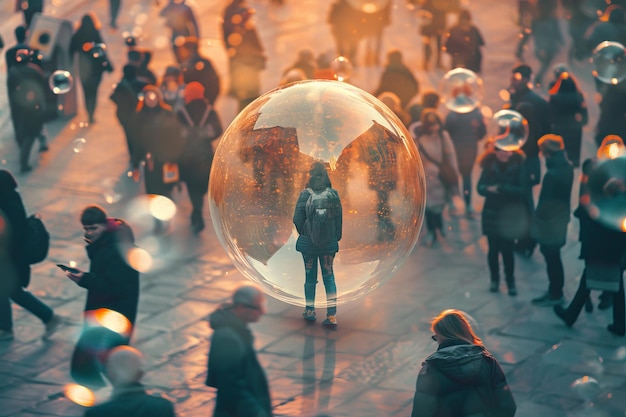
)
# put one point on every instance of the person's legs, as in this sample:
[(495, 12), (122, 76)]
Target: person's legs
[(114, 7), (31, 303), (196, 196), (506, 247), (328, 276), (91, 97), (619, 311), (431, 226), (6, 315), (493, 261), (467, 192), (554, 268), (26, 146), (427, 52), (570, 314), (310, 269)]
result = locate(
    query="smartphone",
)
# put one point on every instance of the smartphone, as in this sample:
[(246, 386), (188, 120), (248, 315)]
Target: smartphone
[(68, 269)]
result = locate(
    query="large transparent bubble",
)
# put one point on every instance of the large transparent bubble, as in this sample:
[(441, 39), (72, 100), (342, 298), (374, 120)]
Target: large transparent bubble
[(508, 130), (609, 62), (461, 90), (604, 186), (261, 166)]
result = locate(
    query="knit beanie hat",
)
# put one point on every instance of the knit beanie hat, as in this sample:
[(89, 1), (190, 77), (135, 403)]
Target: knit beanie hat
[(193, 91), (551, 143)]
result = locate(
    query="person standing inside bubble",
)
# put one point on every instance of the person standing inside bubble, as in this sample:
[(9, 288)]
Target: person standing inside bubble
[(504, 184), (318, 220), (462, 378)]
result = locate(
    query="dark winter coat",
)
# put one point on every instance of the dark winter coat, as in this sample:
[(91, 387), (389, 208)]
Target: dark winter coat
[(180, 19), (537, 112), (304, 243), (506, 213), (10, 55), (111, 283), (201, 70), (249, 51), (614, 30), (547, 35), (437, 24), (233, 369), (27, 89), (201, 125), (464, 47), (553, 208), (612, 119), (465, 130), (90, 67), (398, 79), (461, 379), (568, 113), (14, 213), (132, 401)]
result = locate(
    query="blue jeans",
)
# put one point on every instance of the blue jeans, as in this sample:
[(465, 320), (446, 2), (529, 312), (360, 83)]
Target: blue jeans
[(328, 276), (27, 301)]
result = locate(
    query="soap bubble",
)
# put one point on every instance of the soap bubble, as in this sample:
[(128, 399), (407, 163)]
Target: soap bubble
[(341, 68), (150, 218), (586, 387), (368, 6), (604, 186), (461, 90), (261, 166), (98, 50), (593, 8), (60, 81), (509, 130), (112, 190), (78, 145), (609, 62)]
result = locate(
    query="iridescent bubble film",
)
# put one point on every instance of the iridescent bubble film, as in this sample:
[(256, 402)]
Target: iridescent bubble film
[(461, 90), (261, 165), (60, 81), (341, 68), (508, 130), (609, 62)]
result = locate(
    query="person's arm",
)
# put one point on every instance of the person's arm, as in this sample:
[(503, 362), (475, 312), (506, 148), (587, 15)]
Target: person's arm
[(339, 222), (425, 400), (483, 187), (503, 397), (299, 214)]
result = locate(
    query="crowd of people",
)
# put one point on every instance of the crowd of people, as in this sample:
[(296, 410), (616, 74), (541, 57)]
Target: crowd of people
[(170, 124)]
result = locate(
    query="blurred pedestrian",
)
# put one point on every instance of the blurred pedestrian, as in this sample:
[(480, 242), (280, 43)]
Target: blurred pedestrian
[(578, 23), (505, 217), (114, 10), (30, 8), (233, 367), (610, 28), (552, 215), (431, 29), (201, 126), (196, 67), (436, 150), (611, 120), (466, 130), (318, 219), (181, 20), (10, 55), (144, 73), (462, 378), (92, 59), (112, 285), (430, 100), (246, 56), (392, 101), (323, 70), (463, 42), (547, 36), (526, 11), (343, 21), (372, 23), (124, 369), (16, 273), (568, 114), (397, 78), (305, 62), (172, 87)]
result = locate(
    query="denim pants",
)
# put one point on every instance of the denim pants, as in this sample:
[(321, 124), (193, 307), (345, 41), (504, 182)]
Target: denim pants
[(27, 301), (497, 246), (328, 276), (554, 267)]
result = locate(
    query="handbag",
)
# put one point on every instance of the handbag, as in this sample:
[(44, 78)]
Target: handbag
[(603, 276), (447, 173)]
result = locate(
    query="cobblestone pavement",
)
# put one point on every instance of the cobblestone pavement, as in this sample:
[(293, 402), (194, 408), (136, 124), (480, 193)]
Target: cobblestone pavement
[(366, 368)]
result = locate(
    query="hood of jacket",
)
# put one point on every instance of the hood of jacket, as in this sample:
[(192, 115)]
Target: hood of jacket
[(223, 317), (461, 362)]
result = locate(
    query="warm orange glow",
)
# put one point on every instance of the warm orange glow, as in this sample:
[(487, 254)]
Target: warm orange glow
[(162, 208), (624, 224), (111, 320), (79, 394), (140, 259)]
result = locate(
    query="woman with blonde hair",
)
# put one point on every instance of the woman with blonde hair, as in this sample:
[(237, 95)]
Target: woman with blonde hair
[(461, 378)]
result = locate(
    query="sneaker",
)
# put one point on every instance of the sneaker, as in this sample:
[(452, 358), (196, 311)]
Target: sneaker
[(493, 287), (5, 335), (330, 322), (512, 291), (309, 315), (547, 300), (52, 326)]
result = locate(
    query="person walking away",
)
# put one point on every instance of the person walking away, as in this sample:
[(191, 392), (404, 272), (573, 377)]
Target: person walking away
[(397, 78), (181, 20), (505, 217), (124, 369), (436, 149), (30, 8), (246, 56), (201, 126), (16, 274), (111, 284), (92, 59), (318, 219), (568, 113), (466, 130), (547, 35), (195, 67), (233, 367), (114, 11), (462, 378), (552, 215), (463, 42), (344, 27)]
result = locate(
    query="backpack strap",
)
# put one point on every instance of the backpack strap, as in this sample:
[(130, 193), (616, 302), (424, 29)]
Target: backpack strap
[(185, 113), (423, 152), (205, 116)]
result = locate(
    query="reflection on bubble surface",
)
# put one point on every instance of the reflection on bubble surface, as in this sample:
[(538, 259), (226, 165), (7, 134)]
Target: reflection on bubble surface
[(261, 166)]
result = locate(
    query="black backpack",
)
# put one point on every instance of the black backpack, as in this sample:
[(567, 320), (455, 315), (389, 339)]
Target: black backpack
[(320, 216), (37, 239)]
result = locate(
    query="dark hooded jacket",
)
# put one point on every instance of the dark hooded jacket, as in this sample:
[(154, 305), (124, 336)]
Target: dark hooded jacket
[(111, 283), (132, 401), (233, 369), (397, 78), (12, 209), (461, 379), (506, 213), (568, 113)]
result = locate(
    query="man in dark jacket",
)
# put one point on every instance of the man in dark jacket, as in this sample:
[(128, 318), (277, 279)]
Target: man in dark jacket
[(124, 368), (242, 389), (112, 285), (552, 215), (195, 67), (397, 78)]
